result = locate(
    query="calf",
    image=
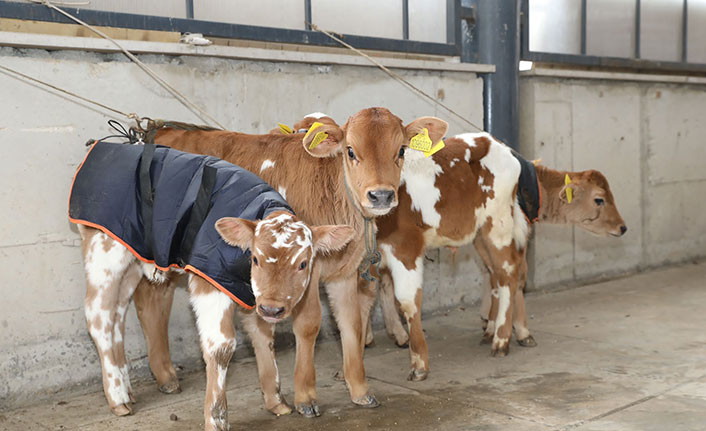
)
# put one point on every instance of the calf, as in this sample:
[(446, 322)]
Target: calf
[(468, 193), (352, 178), (284, 275)]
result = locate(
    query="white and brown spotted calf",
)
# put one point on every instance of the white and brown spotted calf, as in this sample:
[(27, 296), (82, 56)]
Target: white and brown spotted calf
[(285, 278), (466, 193)]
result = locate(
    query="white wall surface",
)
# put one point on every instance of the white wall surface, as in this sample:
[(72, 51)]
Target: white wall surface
[(44, 345)]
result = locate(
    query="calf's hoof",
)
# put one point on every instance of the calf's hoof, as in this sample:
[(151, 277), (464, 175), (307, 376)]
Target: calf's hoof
[(309, 410), (501, 350), (171, 387), (527, 342), (417, 375), (339, 377), (122, 410), (402, 341), (280, 409), (366, 401)]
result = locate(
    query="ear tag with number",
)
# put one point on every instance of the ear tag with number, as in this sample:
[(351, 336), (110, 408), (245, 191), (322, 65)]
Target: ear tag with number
[(285, 129), (439, 145), (318, 138), (421, 141), (569, 190), (313, 127)]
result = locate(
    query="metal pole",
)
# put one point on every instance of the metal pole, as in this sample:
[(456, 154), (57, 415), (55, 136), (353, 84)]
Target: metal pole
[(190, 9), (498, 34), (405, 19), (637, 28), (685, 31), (307, 14), (583, 27)]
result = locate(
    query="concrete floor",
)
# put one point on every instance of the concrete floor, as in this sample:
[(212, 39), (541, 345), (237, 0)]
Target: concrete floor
[(628, 354)]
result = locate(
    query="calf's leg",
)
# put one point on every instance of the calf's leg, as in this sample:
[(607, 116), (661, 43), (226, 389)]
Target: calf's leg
[(345, 302), (306, 322), (107, 263), (393, 324), (503, 263), (153, 302), (407, 268), (214, 317), (261, 334)]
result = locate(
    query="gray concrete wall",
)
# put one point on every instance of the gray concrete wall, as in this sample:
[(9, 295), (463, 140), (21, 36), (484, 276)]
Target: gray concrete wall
[(44, 345), (648, 138)]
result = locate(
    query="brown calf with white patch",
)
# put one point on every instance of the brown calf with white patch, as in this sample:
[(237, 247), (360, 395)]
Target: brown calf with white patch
[(113, 274), (467, 192), (352, 177)]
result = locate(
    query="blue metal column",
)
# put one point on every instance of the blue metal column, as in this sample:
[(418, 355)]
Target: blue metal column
[(497, 34)]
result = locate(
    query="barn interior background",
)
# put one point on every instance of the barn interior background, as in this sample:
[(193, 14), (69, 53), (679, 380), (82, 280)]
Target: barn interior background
[(600, 93)]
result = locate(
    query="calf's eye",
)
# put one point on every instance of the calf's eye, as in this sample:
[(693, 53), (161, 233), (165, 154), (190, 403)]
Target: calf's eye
[(351, 154), (302, 265), (599, 201), (401, 153), (254, 260)]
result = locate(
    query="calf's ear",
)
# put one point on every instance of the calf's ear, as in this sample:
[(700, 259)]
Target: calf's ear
[(237, 232), (437, 128), (323, 140), (330, 238)]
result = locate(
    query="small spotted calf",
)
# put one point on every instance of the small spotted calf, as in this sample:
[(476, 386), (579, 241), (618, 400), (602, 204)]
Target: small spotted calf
[(284, 281), (144, 230)]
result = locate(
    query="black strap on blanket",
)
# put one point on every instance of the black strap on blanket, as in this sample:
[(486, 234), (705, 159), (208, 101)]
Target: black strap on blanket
[(199, 211), (528, 188), (147, 192)]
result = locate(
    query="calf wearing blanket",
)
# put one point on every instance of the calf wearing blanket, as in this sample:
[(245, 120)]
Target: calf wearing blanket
[(147, 214)]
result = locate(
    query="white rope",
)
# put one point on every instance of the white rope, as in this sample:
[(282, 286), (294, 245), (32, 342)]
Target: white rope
[(395, 75), (179, 96)]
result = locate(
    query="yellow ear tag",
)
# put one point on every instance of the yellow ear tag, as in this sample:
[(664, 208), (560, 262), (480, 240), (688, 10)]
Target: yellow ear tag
[(311, 129), (285, 129), (569, 190), (421, 141), (318, 138), (439, 145)]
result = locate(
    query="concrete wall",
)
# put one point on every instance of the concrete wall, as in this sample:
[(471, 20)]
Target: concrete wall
[(648, 138), (44, 345)]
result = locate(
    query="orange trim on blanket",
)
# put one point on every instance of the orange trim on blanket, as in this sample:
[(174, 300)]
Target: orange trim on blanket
[(106, 231), (218, 286)]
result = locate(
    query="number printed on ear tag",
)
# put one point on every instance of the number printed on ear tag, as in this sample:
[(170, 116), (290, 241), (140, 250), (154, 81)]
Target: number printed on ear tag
[(421, 141), (439, 145)]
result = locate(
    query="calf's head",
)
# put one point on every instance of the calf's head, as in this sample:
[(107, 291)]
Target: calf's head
[(283, 250), (592, 206), (372, 145)]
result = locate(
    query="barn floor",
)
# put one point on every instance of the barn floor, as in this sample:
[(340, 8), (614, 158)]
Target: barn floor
[(628, 354)]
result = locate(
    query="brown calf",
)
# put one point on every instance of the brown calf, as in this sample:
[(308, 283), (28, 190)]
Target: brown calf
[(281, 289), (353, 176), (467, 193)]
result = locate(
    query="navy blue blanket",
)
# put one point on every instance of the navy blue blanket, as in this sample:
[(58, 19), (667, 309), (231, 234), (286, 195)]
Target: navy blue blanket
[(163, 205)]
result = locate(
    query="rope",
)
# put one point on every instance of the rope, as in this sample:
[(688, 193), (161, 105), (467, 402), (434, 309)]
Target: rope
[(179, 96), (61, 90), (372, 255), (394, 75)]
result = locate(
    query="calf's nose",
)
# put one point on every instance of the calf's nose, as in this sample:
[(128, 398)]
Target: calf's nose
[(623, 229), (271, 311), (381, 197)]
